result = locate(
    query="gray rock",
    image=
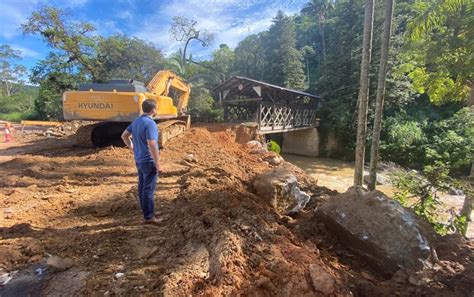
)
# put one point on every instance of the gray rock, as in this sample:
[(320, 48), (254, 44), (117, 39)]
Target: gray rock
[(300, 198), (273, 159), (59, 263), (278, 187), (247, 132), (380, 179), (8, 213), (379, 229), (190, 158), (254, 144), (322, 281), (258, 151)]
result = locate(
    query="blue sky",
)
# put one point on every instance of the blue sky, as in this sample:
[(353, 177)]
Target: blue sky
[(230, 20)]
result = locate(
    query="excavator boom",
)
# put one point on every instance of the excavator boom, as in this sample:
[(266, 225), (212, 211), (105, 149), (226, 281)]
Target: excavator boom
[(165, 80)]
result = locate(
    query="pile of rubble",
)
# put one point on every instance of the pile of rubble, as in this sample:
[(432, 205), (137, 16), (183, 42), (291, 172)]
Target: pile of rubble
[(64, 130)]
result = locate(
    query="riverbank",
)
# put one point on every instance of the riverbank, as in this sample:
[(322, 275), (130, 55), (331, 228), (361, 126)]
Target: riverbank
[(338, 175)]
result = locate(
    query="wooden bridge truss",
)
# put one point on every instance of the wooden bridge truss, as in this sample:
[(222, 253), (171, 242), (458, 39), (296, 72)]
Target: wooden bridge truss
[(272, 118), (274, 109)]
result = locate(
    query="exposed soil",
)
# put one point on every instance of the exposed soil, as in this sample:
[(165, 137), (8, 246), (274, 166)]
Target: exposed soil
[(216, 236)]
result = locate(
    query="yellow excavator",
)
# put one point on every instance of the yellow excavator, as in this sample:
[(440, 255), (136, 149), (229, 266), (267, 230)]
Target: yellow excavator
[(116, 103)]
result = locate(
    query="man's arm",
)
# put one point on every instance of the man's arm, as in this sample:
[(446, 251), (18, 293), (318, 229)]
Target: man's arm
[(126, 137), (155, 153)]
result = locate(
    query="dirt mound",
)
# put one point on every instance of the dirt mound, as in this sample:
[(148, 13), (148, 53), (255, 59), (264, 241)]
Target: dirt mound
[(216, 236)]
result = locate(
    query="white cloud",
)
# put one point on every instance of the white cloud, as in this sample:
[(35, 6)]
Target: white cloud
[(73, 3), (106, 28), (26, 52), (124, 15), (13, 13), (230, 20)]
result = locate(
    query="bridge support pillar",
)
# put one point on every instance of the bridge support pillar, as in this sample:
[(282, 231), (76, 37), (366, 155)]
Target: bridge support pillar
[(302, 142)]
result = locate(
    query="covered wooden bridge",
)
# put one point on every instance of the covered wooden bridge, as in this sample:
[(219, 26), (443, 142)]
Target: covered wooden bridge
[(275, 109)]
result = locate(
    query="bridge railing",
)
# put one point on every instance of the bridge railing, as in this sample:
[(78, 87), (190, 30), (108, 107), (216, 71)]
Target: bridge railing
[(283, 118), (272, 118)]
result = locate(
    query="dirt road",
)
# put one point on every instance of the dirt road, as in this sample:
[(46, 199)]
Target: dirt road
[(216, 236)]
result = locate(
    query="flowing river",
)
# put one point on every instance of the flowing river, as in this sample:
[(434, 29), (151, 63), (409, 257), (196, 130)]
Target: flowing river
[(331, 173)]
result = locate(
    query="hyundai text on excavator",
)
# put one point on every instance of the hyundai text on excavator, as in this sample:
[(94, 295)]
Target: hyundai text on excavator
[(116, 103)]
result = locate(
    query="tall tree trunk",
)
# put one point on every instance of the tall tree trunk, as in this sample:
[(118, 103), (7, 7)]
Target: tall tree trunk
[(468, 204), (307, 71), (470, 103), (323, 41), (7, 86), (374, 151), (363, 98)]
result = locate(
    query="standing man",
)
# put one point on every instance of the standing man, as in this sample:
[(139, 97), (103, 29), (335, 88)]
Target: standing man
[(142, 137)]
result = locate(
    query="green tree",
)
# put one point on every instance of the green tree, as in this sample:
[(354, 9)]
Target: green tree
[(438, 53), (338, 84), (60, 31), (250, 60), (11, 73), (284, 66), (319, 8), (185, 30), (223, 62), (178, 65), (16, 98), (128, 57), (55, 75), (307, 52)]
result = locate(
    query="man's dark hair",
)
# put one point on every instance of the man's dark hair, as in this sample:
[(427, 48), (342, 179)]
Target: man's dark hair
[(148, 105)]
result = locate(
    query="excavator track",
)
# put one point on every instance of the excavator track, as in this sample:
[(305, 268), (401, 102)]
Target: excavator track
[(82, 137), (169, 129), (105, 134)]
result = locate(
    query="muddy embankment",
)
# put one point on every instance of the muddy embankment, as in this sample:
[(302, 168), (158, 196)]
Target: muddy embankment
[(219, 235)]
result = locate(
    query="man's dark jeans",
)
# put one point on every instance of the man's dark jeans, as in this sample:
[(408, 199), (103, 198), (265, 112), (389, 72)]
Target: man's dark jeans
[(147, 177)]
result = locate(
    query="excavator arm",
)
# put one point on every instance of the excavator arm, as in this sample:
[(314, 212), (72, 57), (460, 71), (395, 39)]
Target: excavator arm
[(165, 80)]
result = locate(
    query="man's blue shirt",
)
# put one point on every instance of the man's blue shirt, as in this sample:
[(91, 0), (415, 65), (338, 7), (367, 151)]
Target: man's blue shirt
[(143, 128)]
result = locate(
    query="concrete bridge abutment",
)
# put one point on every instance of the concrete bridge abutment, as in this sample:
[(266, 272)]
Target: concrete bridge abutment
[(302, 142)]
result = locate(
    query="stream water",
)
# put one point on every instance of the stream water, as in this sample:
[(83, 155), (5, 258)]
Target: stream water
[(331, 173)]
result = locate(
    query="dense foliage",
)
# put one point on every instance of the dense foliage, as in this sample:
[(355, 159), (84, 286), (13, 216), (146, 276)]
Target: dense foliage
[(423, 134), (16, 98), (425, 191)]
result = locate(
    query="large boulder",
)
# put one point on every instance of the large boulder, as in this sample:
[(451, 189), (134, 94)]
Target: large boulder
[(279, 188), (381, 179), (247, 132), (379, 229)]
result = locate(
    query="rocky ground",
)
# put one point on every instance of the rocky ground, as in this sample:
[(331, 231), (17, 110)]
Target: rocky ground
[(70, 225)]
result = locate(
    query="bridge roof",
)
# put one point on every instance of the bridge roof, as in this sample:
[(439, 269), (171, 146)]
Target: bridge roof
[(238, 87)]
